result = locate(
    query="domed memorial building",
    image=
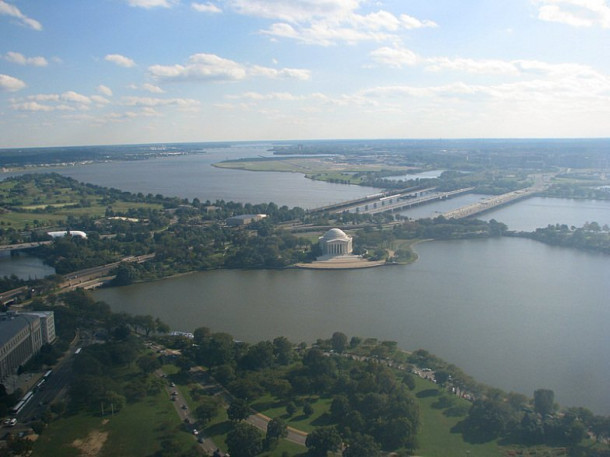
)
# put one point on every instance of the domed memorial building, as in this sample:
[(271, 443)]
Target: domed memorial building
[(335, 242)]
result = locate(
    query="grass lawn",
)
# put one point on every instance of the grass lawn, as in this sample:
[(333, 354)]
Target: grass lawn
[(269, 406), (435, 437), (133, 432)]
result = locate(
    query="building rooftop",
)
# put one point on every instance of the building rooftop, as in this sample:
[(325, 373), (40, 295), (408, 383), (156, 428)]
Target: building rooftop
[(13, 323)]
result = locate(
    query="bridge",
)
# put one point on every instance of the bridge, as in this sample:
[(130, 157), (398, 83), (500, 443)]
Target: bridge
[(404, 201), (345, 206), (490, 203), (15, 247)]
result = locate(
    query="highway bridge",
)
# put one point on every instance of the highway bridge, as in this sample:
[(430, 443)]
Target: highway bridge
[(87, 278), (345, 206), (403, 201), (490, 203), (16, 247)]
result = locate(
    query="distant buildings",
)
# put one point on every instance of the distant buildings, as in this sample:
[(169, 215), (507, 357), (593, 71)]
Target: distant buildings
[(244, 219), (335, 242), (21, 337)]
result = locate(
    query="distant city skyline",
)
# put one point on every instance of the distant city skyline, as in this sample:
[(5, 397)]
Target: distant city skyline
[(148, 71)]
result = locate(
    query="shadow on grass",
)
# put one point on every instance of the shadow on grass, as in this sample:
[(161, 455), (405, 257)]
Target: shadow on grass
[(456, 411), (265, 405), (428, 393), (472, 435), (222, 428), (443, 402), (322, 421), (299, 418)]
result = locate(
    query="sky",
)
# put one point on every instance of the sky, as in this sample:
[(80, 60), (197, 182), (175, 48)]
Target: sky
[(79, 72)]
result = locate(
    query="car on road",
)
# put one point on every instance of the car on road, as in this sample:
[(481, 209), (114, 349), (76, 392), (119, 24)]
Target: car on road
[(11, 422), (195, 432), (201, 439), (184, 407)]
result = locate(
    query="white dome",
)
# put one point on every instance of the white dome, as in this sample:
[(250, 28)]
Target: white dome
[(335, 234)]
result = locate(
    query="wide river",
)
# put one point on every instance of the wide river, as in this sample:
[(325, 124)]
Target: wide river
[(513, 313)]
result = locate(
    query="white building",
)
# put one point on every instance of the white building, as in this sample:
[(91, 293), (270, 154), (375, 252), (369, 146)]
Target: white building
[(66, 233), (335, 242)]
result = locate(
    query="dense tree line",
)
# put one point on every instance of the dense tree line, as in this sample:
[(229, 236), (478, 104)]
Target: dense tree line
[(370, 404), (591, 236)]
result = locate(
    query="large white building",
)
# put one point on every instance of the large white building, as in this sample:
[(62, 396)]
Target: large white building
[(21, 337), (335, 242)]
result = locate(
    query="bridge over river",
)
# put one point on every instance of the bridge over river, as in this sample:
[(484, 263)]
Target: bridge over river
[(407, 198)]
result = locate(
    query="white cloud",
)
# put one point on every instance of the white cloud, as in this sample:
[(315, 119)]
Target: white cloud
[(20, 59), (210, 67), (104, 90), (411, 22), (66, 101), (148, 4), (7, 9), (326, 22), (291, 73), (10, 84), (396, 57), (74, 97), (206, 8), (152, 88), (98, 99), (151, 102), (576, 13), (296, 11), (31, 106), (483, 66), (257, 96), (120, 60)]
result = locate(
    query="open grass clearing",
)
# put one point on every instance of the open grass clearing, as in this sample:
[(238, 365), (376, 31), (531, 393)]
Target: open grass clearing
[(135, 431), (271, 407)]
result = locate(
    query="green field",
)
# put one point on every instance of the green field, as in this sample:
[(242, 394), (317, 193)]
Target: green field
[(30, 204), (135, 431)]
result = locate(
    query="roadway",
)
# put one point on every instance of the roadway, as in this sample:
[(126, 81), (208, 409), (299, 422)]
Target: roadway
[(15, 247), (87, 278), (402, 201), (541, 182)]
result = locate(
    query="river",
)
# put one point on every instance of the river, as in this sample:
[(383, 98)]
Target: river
[(193, 176), (23, 266), (513, 313)]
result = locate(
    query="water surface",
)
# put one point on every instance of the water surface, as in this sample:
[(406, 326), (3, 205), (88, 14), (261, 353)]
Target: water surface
[(513, 313)]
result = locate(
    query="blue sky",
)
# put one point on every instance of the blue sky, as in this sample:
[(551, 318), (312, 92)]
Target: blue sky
[(76, 72)]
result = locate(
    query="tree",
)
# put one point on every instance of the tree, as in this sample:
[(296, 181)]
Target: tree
[(282, 350), (238, 410), (291, 408), (362, 446), (338, 341), (207, 409), (322, 440), (258, 357), (307, 409), (201, 334), (125, 274), (544, 401), (276, 429), (244, 441), (339, 408), (148, 363)]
